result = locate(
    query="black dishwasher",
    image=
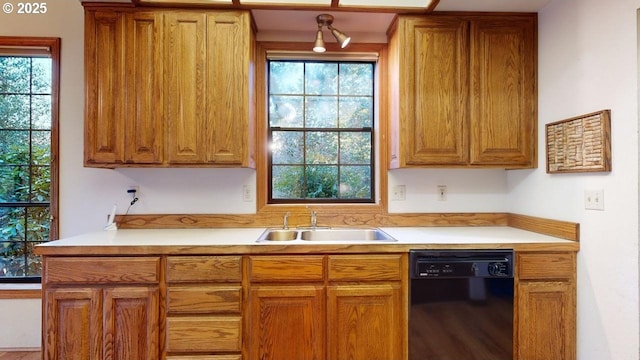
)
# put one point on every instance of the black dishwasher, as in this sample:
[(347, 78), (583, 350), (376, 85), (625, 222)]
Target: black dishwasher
[(461, 305)]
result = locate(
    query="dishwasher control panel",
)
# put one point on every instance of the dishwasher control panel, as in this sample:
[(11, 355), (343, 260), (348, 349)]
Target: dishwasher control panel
[(463, 263)]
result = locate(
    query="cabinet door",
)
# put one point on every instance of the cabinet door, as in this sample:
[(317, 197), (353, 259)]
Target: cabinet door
[(144, 133), (435, 91), (104, 80), (503, 87), (287, 322), (72, 324), (365, 321), (546, 321), (185, 87), (228, 79), (130, 329)]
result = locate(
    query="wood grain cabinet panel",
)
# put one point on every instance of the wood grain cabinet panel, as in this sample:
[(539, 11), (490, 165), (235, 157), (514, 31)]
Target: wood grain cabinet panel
[(184, 269), (287, 322), (365, 322), (104, 118), (72, 324), (209, 89), (463, 91), (286, 268), (204, 334), (176, 77), (545, 306), (91, 270)]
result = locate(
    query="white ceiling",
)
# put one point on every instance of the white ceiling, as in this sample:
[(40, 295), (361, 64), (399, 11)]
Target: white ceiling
[(300, 25)]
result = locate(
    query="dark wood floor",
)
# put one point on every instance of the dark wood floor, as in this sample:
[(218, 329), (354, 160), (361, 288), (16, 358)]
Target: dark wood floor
[(20, 355)]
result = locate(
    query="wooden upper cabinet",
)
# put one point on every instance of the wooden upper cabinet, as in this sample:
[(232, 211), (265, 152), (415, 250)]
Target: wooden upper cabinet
[(104, 77), (463, 91), (503, 86), (169, 88), (144, 132), (209, 88)]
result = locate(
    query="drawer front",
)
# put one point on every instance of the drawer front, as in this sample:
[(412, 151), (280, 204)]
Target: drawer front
[(204, 299), (365, 267), (286, 268), (204, 333), (205, 357), (204, 269), (546, 265), (100, 270)]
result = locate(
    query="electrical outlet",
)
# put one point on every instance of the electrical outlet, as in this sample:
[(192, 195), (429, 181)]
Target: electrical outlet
[(399, 193), (594, 199), (442, 192), (134, 190), (247, 193)]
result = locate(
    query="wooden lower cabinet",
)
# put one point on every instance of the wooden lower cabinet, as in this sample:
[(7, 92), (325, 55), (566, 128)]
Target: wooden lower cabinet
[(101, 308), (204, 308), (364, 321), (545, 303), (328, 307), (273, 307), (287, 322), (101, 323)]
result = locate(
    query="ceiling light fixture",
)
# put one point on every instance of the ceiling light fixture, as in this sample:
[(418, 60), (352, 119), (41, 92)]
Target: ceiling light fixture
[(327, 20)]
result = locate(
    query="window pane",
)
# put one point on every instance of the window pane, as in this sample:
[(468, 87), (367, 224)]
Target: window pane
[(15, 147), (41, 148), (287, 182), (12, 225), (41, 112), (286, 111), (322, 181), (321, 112), (356, 112), (321, 79), (356, 79), (14, 111), (355, 182), (15, 75), (41, 184), (41, 81), (38, 224), (355, 148), (14, 183), (286, 77), (287, 147), (322, 148)]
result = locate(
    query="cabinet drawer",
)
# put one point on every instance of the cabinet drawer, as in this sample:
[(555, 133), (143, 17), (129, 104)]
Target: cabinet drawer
[(286, 268), (204, 268), (204, 333), (204, 299), (365, 267), (546, 266), (95, 270), (205, 357)]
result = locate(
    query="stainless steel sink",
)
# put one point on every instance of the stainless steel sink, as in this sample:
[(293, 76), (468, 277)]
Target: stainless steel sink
[(326, 234), (278, 235), (345, 234)]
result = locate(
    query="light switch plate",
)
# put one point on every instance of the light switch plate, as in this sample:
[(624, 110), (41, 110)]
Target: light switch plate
[(594, 199)]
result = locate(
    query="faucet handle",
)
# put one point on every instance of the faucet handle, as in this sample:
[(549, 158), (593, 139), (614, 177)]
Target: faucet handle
[(285, 225)]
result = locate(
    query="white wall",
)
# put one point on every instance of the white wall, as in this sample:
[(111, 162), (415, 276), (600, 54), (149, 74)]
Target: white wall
[(588, 62)]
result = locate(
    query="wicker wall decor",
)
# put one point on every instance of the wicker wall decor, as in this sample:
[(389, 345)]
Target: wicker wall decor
[(580, 144)]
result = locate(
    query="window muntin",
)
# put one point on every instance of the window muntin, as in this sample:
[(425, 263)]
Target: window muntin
[(320, 128), (28, 90)]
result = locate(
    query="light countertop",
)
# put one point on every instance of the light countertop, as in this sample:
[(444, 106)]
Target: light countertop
[(243, 240)]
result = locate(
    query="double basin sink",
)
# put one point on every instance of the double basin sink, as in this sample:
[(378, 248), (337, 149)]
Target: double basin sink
[(326, 234)]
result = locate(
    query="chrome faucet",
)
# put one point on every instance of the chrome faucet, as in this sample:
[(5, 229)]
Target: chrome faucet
[(285, 226), (314, 220)]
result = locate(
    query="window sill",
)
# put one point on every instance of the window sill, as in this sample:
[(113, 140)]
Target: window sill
[(20, 291)]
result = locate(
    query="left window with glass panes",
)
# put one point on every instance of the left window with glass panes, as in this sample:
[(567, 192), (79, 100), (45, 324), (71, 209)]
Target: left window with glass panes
[(28, 155)]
